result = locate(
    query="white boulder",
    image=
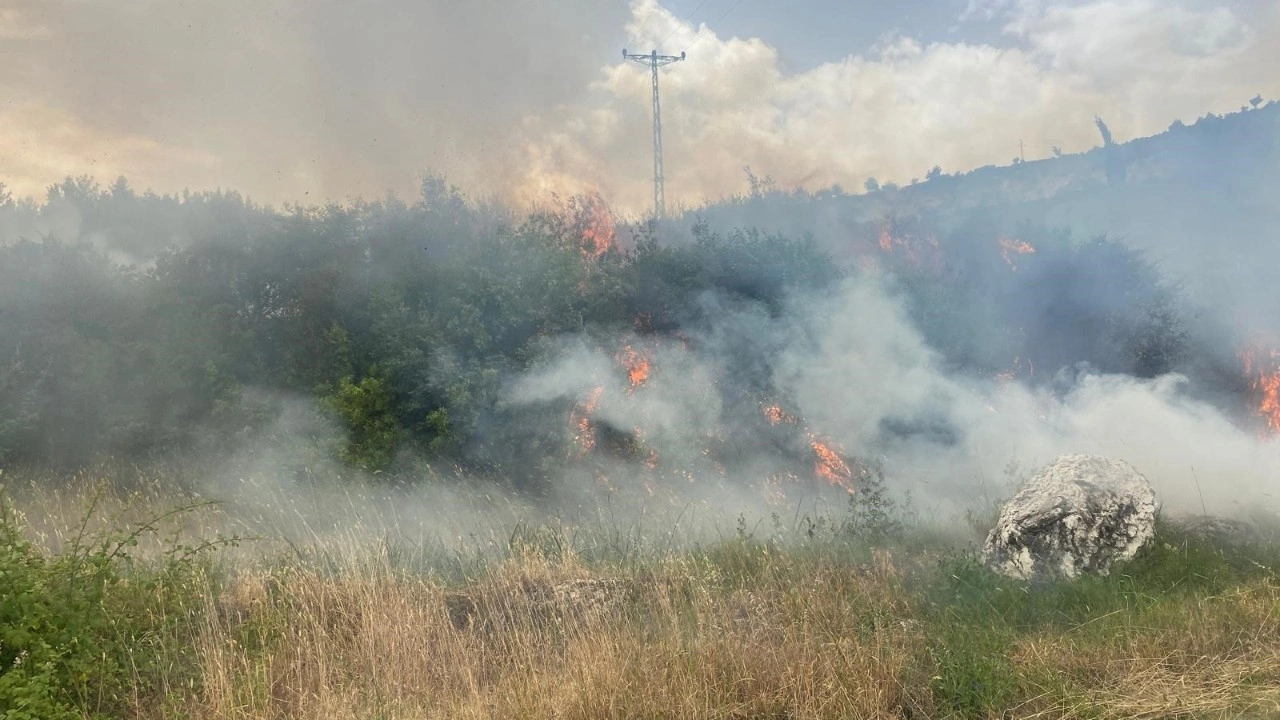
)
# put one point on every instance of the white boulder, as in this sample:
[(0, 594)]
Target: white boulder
[(1081, 513)]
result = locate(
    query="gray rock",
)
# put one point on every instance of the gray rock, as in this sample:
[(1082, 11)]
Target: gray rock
[(1081, 513)]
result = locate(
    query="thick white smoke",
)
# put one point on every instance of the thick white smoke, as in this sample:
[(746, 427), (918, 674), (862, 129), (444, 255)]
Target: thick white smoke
[(904, 107), (315, 100), (856, 371)]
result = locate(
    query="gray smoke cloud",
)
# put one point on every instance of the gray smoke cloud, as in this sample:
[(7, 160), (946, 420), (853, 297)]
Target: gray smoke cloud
[(310, 100), (857, 373), (288, 99)]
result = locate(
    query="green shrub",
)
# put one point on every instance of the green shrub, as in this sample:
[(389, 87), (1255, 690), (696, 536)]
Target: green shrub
[(976, 616), (84, 632), (373, 431)]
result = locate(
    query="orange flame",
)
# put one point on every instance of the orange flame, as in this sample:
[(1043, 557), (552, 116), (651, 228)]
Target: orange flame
[(637, 364), (584, 430), (830, 466), (1269, 388), (776, 415), (1263, 371), (1010, 247), (594, 217), (919, 252), (887, 240)]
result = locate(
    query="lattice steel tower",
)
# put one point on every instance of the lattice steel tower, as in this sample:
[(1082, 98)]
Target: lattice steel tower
[(655, 61)]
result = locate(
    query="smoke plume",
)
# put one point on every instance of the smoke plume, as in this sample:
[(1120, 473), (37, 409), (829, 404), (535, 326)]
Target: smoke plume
[(857, 371), (293, 101)]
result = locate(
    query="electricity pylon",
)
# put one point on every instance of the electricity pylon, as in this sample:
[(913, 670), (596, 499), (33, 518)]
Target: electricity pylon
[(655, 61)]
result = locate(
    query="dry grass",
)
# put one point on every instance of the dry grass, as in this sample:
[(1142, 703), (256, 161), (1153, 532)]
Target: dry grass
[(1216, 658), (798, 639), (679, 643), (336, 625)]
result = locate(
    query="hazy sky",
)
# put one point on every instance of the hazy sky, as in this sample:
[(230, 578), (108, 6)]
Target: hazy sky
[(326, 99)]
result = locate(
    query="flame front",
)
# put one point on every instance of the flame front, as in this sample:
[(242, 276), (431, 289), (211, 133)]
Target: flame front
[(596, 221), (830, 466), (637, 364), (887, 240), (776, 415), (584, 436), (1262, 369), (1269, 387), (1010, 247), (656, 472), (921, 253)]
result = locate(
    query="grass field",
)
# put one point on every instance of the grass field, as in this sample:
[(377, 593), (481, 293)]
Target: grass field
[(151, 604)]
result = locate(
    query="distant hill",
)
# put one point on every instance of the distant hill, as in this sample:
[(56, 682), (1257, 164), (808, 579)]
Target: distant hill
[(1202, 200)]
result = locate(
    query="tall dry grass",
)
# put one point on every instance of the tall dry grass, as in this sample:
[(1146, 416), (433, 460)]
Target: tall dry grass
[(678, 640), (360, 619)]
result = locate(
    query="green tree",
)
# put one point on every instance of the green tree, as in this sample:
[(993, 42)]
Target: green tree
[(366, 410)]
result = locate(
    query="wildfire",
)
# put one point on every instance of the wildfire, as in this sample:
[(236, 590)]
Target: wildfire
[(596, 221), (919, 252), (1263, 371), (887, 240), (651, 462), (1269, 388), (830, 466), (777, 415), (584, 430), (637, 364), (1010, 247), (660, 476)]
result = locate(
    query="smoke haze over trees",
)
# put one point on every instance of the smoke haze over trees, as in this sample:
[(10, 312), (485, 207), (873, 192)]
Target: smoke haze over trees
[(917, 332), (344, 373)]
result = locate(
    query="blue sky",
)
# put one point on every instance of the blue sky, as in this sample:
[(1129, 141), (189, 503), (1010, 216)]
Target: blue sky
[(821, 93), (809, 32)]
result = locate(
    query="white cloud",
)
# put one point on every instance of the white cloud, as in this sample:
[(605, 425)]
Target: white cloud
[(288, 97), (905, 107)]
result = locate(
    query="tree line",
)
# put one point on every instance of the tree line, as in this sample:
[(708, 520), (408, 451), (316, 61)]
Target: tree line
[(133, 325)]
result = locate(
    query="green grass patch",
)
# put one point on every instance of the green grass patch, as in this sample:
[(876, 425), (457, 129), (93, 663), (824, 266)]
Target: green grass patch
[(92, 631)]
